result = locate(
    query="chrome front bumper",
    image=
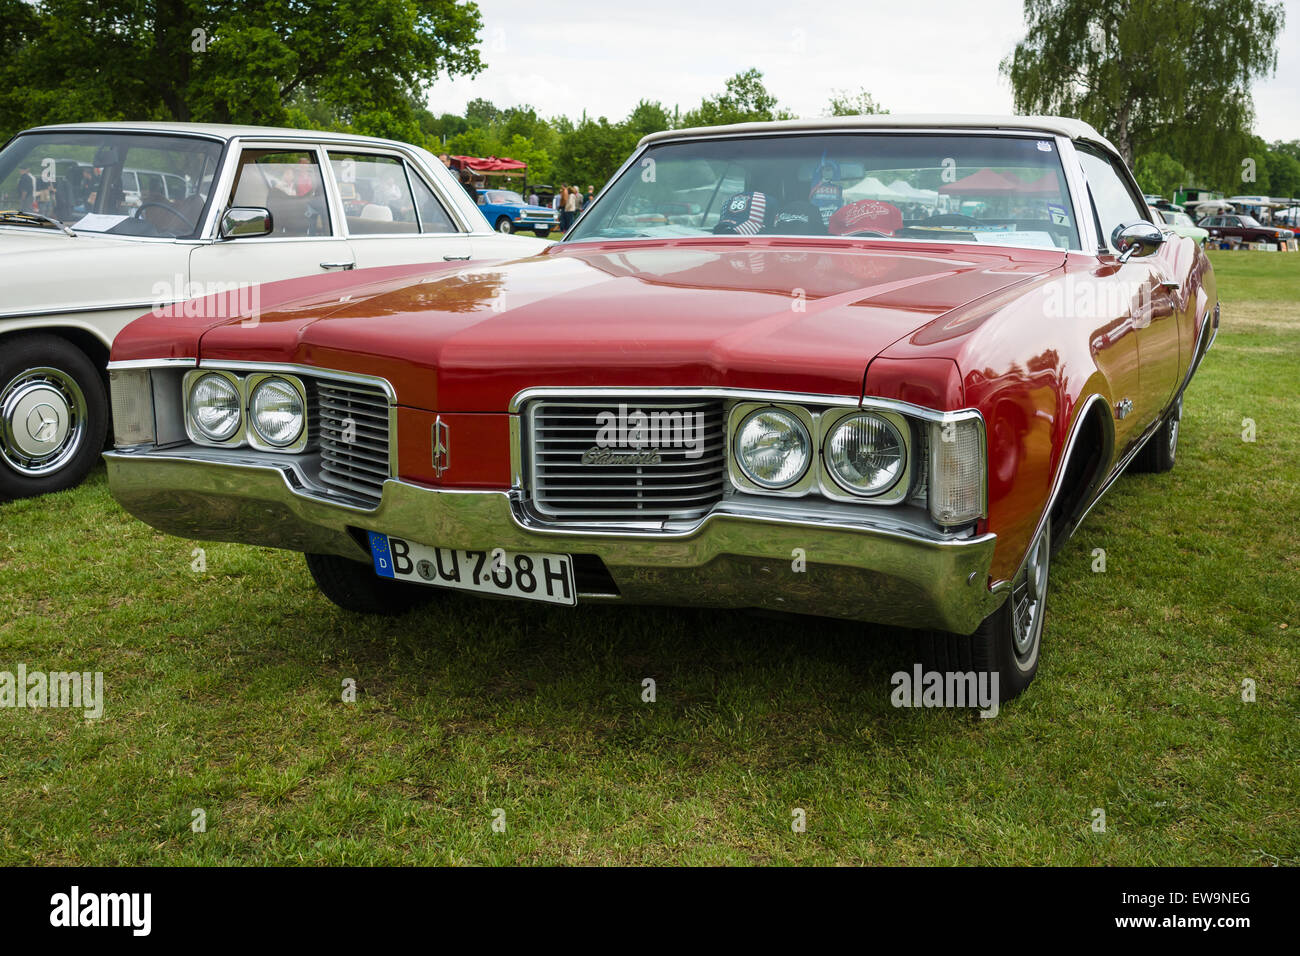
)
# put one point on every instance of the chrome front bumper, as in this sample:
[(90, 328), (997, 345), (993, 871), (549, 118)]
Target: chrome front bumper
[(872, 566)]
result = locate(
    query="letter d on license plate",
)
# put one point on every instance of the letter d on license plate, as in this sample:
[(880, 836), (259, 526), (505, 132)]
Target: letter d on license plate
[(529, 575)]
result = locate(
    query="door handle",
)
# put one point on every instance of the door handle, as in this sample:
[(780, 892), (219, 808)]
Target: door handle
[(454, 258), (345, 266)]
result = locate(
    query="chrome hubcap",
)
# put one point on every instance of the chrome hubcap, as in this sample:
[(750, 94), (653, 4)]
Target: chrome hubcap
[(1028, 591), (42, 421)]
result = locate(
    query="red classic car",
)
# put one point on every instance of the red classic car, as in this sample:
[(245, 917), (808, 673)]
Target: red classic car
[(1245, 228), (880, 369)]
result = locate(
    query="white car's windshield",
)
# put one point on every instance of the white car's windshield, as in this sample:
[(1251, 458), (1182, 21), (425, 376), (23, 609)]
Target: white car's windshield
[(1005, 190), (128, 184)]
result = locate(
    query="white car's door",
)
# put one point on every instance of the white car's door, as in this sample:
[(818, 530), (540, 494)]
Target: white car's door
[(306, 239), (391, 214)]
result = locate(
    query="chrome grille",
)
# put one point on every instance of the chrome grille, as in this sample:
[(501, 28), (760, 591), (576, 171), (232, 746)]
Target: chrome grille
[(358, 467), (677, 486)]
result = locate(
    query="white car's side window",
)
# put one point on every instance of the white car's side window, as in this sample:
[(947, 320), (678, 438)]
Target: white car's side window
[(288, 183)]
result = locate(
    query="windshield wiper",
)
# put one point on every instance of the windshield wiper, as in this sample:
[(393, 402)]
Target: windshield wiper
[(36, 217)]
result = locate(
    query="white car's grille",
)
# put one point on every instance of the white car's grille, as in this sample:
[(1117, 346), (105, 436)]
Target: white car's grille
[(353, 438), (580, 471)]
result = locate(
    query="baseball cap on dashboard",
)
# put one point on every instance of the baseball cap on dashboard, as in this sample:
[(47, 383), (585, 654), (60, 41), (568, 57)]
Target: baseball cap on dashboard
[(799, 218), (866, 215), (744, 214)]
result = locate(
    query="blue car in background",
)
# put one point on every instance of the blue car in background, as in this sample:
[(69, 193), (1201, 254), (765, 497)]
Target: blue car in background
[(507, 212)]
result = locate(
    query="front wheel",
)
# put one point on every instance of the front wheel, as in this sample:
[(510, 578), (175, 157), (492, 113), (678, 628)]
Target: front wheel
[(356, 587), (1006, 644), (53, 415), (505, 226)]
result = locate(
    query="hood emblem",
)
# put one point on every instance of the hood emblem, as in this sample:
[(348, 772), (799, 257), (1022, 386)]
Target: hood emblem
[(441, 446)]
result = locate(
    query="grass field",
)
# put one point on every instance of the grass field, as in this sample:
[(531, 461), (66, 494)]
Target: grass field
[(223, 693)]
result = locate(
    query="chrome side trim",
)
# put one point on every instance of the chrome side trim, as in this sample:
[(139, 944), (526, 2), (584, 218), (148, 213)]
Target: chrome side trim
[(153, 363)]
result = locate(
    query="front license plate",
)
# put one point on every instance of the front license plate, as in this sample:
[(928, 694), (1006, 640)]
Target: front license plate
[(529, 575)]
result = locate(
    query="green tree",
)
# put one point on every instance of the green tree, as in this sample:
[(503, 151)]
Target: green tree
[(1160, 173), (1150, 74), (745, 100), (1283, 173), (861, 103), (244, 61)]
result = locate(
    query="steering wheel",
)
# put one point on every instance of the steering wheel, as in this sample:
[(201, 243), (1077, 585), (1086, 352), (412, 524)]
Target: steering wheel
[(166, 208)]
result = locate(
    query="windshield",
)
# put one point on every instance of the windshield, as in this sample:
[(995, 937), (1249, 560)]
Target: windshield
[(1005, 190), (1181, 219), (127, 184), (504, 197)]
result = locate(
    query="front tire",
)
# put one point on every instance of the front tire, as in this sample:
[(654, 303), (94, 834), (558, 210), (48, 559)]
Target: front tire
[(505, 226), (355, 587), (1160, 452), (53, 415), (1008, 642)]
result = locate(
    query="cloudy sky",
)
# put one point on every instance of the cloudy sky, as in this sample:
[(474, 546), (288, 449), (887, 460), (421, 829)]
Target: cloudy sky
[(923, 56)]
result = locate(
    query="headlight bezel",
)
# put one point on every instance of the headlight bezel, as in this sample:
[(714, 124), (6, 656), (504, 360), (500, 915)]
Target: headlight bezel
[(192, 429), (739, 414), (896, 491), (255, 438)]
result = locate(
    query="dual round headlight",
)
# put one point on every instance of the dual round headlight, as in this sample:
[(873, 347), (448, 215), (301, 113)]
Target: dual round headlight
[(865, 453), (275, 409), (214, 407), (773, 448)]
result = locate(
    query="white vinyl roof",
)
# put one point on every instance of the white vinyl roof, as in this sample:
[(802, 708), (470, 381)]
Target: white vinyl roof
[(1057, 125)]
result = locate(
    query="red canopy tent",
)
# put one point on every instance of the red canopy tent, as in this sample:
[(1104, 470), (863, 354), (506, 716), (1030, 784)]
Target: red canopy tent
[(983, 183), (490, 166)]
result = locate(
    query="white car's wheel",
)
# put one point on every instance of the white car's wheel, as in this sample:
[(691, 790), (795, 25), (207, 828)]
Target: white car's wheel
[(53, 415)]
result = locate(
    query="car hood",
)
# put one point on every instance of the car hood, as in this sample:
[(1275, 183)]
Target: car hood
[(45, 270), (790, 314)]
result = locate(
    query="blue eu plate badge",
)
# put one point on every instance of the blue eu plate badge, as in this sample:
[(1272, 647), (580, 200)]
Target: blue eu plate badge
[(383, 557)]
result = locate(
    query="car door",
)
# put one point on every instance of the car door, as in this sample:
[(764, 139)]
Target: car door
[(390, 213), (286, 179), (1147, 288)]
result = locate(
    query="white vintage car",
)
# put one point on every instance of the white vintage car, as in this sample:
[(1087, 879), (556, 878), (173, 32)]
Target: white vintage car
[(102, 222)]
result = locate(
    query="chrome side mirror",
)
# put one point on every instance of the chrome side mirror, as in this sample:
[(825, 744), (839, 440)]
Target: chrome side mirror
[(243, 222), (1138, 239)]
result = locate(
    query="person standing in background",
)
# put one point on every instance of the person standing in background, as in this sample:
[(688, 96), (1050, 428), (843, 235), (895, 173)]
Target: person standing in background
[(571, 206), (591, 194), (562, 204), (26, 189)]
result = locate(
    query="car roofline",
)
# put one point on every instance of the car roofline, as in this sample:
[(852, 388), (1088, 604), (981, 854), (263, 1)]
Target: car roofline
[(938, 122)]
